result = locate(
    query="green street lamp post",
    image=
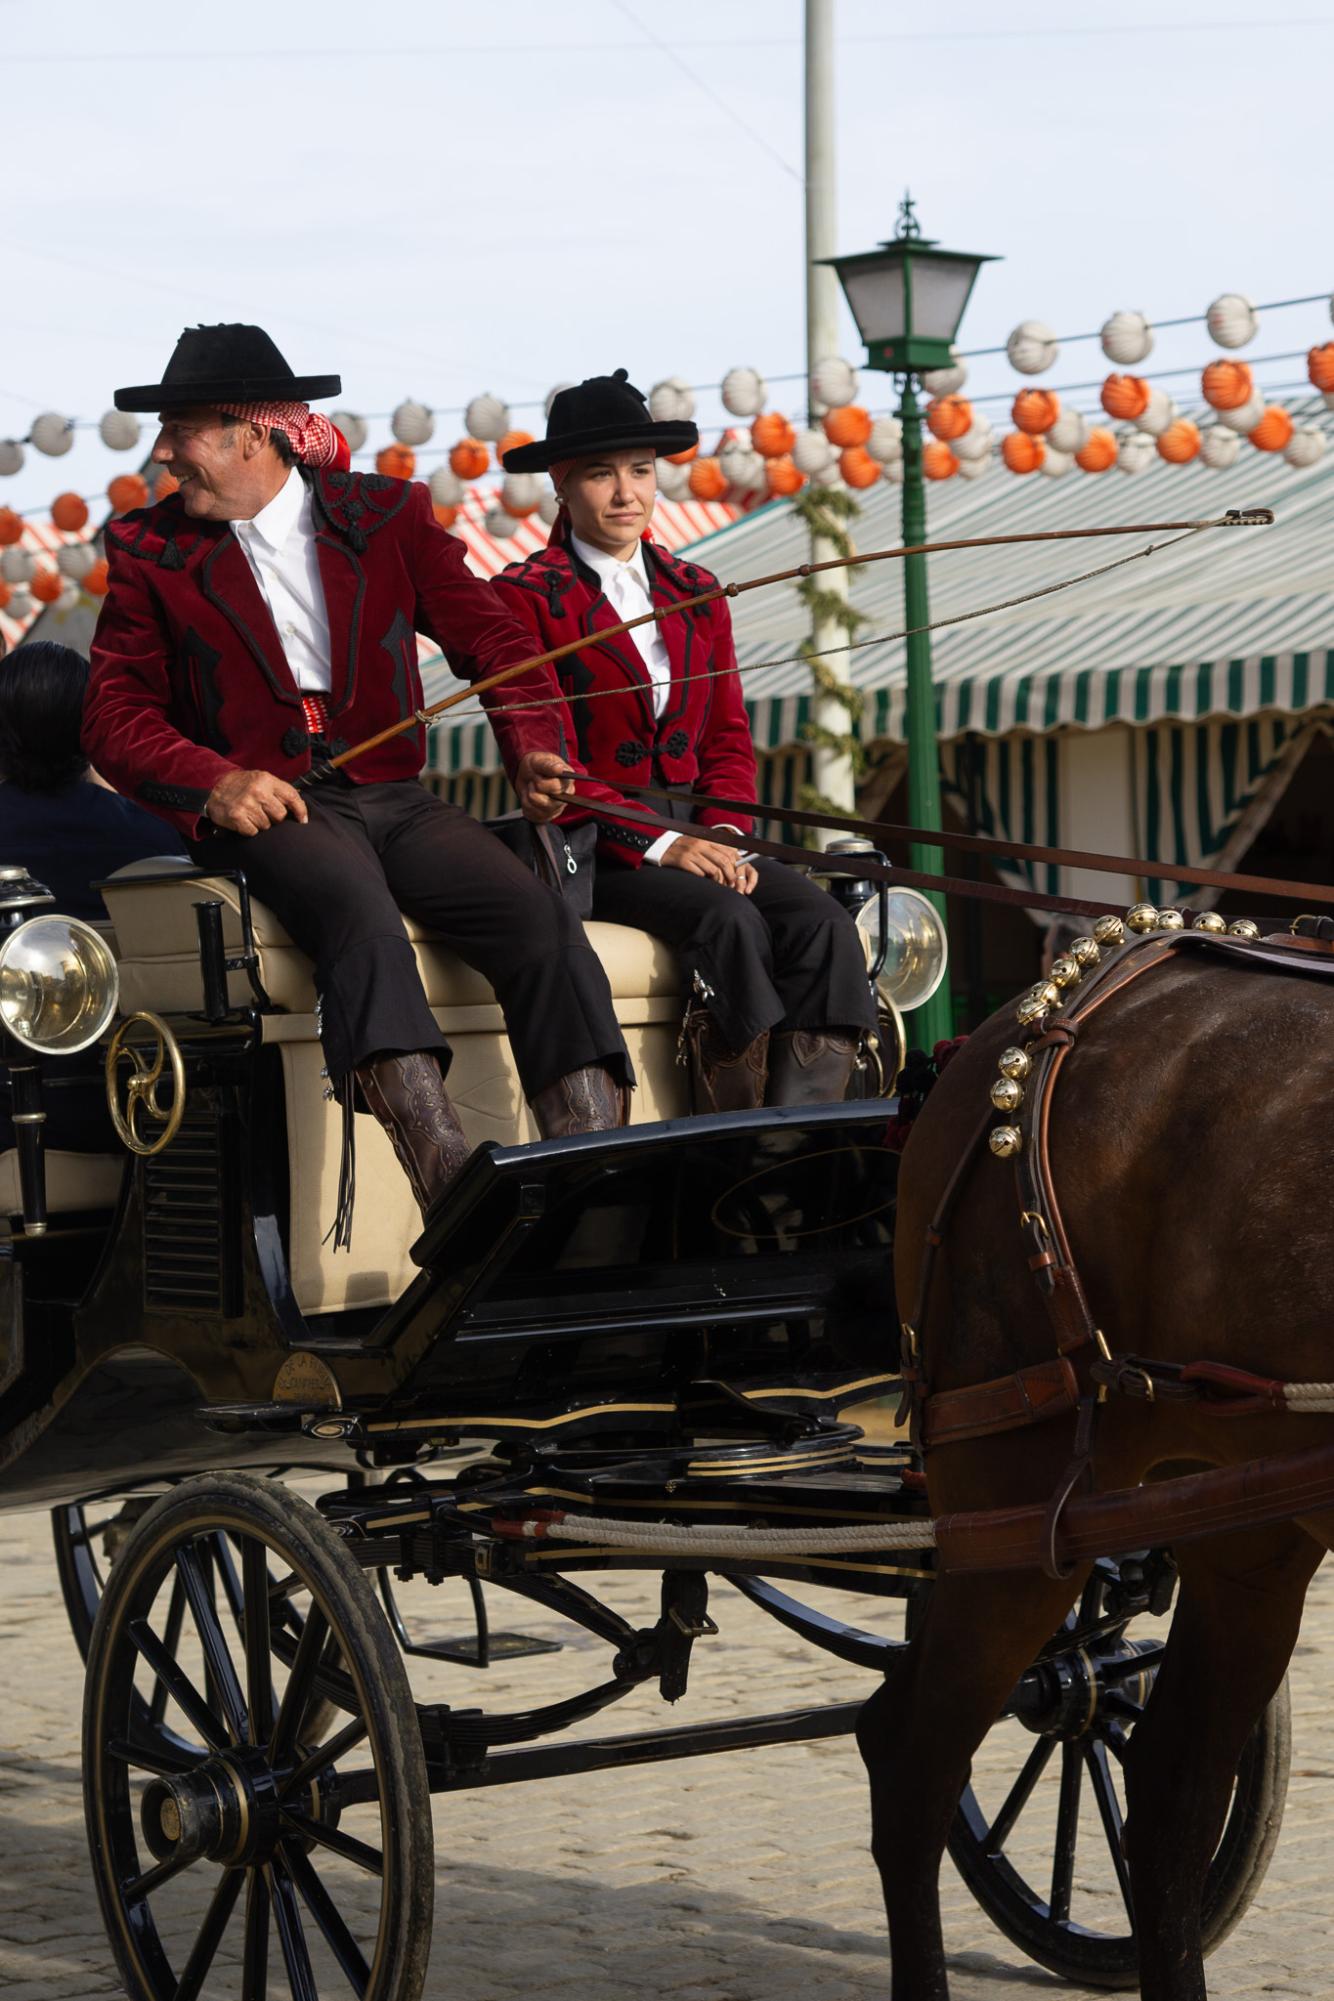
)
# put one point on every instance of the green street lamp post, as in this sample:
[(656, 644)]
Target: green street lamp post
[(908, 298)]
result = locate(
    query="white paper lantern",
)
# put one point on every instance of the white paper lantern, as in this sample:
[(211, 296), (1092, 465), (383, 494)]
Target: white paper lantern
[(1219, 448), (119, 430), (75, 560), (1068, 433), (834, 382), (11, 456), (352, 427), (1032, 347), (1232, 320), (446, 486), (1246, 417), (744, 392), (1157, 414), (552, 394), (812, 452), (413, 424), (743, 466), (1126, 338), (69, 597), (499, 524), (21, 604), (486, 417), (1305, 446), (673, 481), (520, 493), (548, 507), (886, 440), (16, 565), (1137, 452), (946, 381), (1055, 465), (671, 401), (894, 469), (975, 443), (969, 468), (53, 434), (829, 475)]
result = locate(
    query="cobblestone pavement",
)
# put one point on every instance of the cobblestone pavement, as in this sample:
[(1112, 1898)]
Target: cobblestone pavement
[(738, 1878)]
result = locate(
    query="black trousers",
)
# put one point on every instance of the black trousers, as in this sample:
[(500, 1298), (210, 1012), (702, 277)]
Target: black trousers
[(368, 852), (787, 954)]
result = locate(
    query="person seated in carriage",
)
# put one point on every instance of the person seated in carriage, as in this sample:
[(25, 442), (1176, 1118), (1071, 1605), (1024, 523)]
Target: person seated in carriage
[(258, 621), (775, 965)]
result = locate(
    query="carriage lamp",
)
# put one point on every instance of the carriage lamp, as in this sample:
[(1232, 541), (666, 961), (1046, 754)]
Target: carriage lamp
[(907, 936), (58, 985), (908, 298)]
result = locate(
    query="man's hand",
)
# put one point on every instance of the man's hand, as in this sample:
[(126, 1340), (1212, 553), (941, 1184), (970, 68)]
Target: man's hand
[(711, 859), (543, 783), (245, 802)]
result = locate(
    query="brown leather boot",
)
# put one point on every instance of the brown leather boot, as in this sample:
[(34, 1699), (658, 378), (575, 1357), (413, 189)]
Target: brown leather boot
[(722, 1079), (810, 1066), (407, 1095), (586, 1101)]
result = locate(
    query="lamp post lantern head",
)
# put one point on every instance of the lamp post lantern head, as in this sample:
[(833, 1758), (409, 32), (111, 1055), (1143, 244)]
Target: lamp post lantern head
[(908, 297)]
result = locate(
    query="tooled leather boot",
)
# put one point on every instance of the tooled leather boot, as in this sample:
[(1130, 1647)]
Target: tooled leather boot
[(407, 1095), (586, 1101), (722, 1079), (811, 1066)]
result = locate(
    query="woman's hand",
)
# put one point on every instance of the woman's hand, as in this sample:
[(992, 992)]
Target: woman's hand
[(543, 783)]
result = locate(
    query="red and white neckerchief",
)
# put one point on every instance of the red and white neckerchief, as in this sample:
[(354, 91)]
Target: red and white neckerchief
[(313, 438)]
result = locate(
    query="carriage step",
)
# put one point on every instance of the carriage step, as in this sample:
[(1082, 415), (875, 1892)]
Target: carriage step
[(466, 1650)]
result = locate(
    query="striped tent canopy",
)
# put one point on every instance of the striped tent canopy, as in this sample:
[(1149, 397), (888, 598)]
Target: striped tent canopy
[(44, 541), (675, 522)]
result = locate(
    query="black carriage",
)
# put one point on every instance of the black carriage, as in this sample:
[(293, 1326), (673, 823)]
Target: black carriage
[(665, 1349)]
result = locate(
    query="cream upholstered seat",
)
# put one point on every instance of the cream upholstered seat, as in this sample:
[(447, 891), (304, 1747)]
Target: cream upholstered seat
[(157, 934), (74, 1182)]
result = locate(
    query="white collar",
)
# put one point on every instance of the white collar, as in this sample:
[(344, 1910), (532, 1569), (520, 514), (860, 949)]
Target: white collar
[(275, 522), (606, 565)]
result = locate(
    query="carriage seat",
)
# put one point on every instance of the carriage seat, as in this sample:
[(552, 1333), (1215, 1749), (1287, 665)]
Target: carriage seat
[(157, 936), (76, 1183)]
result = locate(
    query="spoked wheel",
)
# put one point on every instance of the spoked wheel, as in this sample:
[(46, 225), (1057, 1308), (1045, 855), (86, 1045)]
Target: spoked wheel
[(1037, 1838), (236, 1857), (89, 1536)]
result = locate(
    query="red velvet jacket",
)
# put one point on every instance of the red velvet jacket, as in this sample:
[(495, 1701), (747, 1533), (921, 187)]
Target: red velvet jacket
[(702, 739), (189, 677)]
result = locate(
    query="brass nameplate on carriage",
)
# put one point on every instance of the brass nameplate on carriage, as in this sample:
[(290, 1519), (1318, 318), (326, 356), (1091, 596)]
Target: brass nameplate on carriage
[(306, 1380)]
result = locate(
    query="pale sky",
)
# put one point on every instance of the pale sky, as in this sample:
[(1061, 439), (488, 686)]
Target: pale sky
[(440, 199)]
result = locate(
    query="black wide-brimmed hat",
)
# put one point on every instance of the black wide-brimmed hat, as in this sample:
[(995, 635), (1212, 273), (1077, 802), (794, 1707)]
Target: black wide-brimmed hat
[(605, 414), (226, 364)]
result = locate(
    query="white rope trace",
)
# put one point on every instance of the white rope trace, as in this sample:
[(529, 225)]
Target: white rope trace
[(726, 1541)]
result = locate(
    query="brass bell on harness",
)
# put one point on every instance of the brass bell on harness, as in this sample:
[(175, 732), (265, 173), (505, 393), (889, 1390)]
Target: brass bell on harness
[(1243, 927), (1209, 920), (1015, 1063), (1109, 931), (1031, 1011), (1005, 1141), (1007, 1094), (1142, 917), (1171, 920), (1085, 952), (1047, 992), (1066, 971)]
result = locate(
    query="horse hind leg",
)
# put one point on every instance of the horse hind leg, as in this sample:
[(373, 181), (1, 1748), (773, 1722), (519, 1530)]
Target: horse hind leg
[(1233, 1631), (917, 1736)]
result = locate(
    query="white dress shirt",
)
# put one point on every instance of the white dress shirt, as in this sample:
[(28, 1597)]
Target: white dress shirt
[(279, 545)]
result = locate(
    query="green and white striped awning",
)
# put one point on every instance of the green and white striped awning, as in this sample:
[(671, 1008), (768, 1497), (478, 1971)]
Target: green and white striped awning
[(1229, 623)]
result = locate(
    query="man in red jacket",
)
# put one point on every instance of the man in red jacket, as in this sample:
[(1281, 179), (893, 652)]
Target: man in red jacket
[(775, 964), (263, 618)]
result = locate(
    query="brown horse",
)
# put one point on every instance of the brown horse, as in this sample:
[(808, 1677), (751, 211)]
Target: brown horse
[(1192, 1150)]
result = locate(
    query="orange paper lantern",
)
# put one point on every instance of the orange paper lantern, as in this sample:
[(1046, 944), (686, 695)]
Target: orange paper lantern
[(1022, 452), (1036, 410), (11, 527), (165, 484), (127, 490), (1226, 385), (95, 583), (469, 458), (1320, 366), (683, 458), (772, 435), (46, 586), (708, 481), (446, 516), (1098, 451), (848, 425), (1125, 396), (948, 417), (1273, 431), (858, 467), (511, 443), (396, 461), (939, 462), (69, 511), (1180, 442), (783, 477)]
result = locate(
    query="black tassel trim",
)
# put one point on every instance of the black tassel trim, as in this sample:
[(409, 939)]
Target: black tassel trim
[(341, 1227)]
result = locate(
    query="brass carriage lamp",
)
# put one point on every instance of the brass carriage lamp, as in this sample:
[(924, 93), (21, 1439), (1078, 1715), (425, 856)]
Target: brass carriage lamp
[(908, 299)]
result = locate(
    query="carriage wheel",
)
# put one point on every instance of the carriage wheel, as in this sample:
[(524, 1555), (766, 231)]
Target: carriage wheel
[(235, 1855), (1046, 1795)]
